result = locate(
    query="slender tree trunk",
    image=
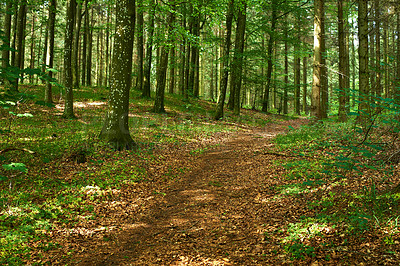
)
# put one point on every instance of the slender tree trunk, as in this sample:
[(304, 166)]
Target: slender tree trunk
[(75, 51), (342, 63), (116, 127), (140, 46), (378, 80), (286, 72), (52, 19), (270, 56), (172, 71), (7, 35), (19, 54), (305, 109), (363, 105), (219, 112), (107, 59), (237, 66), (324, 71), (149, 52), (396, 91), (14, 32), (32, 61), (317, 68), (162, 69), (89, 48), (68, 51), (85, 43)]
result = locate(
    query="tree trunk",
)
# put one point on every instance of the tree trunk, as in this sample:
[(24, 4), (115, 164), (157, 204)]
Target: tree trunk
[(172, 71), (162, 69), (269, 56), (342, 63), (89, 48), (20, 37), (7, 35), (317, 62), (116, 127), (68, 50), (75, 51), (85, 43), (140, 46), (324, 71), (149, 53), (305, 85), (363, 105), (237, 66), (52, 20), (219, 112)]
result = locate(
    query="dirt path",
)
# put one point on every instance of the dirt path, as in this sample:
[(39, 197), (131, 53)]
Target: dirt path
[(215, 215), (224, 211)]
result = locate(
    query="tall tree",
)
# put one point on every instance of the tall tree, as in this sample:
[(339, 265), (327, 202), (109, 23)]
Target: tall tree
[(363, 105), (75, 51), (52, 20), (342, 62), (271, 41), (163, 66), (116, 128), (7, 34), (149, 52), (219, 112), (68, 50), (140, 44), (20, 37), (237, 63), (317, 63)]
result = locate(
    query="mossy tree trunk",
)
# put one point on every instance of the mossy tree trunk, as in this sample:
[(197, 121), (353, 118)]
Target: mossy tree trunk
[(116, 128)]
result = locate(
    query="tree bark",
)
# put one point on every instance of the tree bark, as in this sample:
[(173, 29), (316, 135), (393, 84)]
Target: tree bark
[(237, 66), (52, 20), (68, 50), (7, 35), (140, 45), (271, 41), (20, 37), (317, 62), (342, 63), (162, 68), (75, 51), (219, 112), (116, 128), (363, 106), (149, 52)]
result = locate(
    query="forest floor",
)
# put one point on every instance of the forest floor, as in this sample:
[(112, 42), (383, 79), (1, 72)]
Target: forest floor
[(195, 192)]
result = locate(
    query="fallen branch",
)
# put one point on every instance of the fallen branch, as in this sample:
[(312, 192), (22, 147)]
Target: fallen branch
[(17, 149)]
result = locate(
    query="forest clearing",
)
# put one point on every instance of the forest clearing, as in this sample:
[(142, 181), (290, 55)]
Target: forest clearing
[(263, 189)]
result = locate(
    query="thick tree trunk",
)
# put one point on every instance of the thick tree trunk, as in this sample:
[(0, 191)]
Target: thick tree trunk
[(52, 20), (68, 50), (317, 63), (219, 112), (116, 128)]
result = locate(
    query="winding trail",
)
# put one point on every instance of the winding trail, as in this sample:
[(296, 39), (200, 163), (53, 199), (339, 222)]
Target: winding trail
[(216, 215)]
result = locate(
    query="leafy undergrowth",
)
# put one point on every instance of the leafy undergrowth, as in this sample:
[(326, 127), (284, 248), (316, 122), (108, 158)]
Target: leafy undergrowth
[(318, 194), (350, 178)]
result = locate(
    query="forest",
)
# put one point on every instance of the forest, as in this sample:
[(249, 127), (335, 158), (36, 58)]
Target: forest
[(205, 132)]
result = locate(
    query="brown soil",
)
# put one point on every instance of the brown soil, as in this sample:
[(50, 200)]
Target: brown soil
[(224, 211)]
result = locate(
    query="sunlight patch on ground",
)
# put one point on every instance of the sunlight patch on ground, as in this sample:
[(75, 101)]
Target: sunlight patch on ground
[(82, 105), (185, 260)]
